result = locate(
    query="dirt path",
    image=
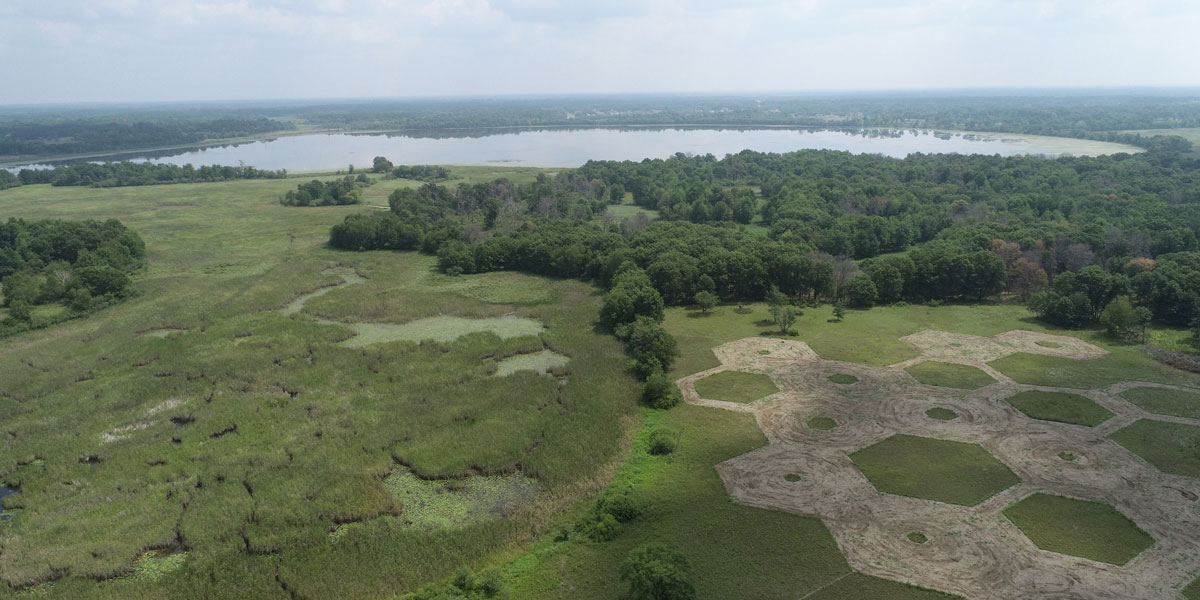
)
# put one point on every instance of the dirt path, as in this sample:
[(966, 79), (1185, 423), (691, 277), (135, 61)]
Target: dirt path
[(972, 551)]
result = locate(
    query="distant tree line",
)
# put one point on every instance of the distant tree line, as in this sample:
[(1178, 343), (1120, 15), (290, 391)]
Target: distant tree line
[(81, 264), (8, 180), (347, 190), (40, 134), (125, 173), (417, 172)]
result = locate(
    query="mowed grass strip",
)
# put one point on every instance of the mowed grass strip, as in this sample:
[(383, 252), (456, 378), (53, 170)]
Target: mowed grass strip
[(735, 386), (1091, 530), (1060, 407), (1089, 374), (1165, 401), (940, 374), (1171, 447), (942, 470), (1192, 591)]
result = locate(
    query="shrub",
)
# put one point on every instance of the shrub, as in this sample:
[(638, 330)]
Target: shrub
[(861, 292), (662, 441), (656, 572), (660, 392)]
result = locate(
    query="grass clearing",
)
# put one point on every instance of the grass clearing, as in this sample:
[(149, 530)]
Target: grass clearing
[(917, 537), (1060, 407), (1165, 401), (857, 586), (1171, 447), (822, 423), (735, 386), (941, 470), (1192, 591), (940, 374), (455, 503), (1130, 364), (941, 414), (1091, 530), (843, 378)]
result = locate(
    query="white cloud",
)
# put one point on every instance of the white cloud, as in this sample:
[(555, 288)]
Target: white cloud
[(216, 49)]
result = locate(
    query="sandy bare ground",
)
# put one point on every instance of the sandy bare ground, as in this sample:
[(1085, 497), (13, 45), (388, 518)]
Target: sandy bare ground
[(972, 551)]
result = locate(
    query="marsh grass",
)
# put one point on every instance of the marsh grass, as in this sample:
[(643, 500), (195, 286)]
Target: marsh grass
[(319, 426)]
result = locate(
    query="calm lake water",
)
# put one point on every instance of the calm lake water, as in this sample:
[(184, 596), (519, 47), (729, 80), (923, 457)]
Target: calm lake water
[(571, 148)]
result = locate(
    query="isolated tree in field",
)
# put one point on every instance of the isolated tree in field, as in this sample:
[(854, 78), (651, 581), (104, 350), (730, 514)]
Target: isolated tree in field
[(784, 316), (656, 572), (839, 312), (706, 301)]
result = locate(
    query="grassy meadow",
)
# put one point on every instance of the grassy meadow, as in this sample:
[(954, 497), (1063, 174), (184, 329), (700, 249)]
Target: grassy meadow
[(195, 441)]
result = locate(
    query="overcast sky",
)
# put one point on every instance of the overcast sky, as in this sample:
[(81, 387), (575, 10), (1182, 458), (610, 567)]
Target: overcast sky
[(151, 50)]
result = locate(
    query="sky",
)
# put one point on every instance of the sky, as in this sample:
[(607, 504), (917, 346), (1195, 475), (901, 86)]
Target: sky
[(174, 50)]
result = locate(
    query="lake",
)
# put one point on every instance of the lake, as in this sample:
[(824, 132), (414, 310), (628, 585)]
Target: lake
[(573, 147)]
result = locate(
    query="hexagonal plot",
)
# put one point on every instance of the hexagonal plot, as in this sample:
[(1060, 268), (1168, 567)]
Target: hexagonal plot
[(1091, 530), (1171, 447), (1165, 401), (1060, 407), (735, 386), (963, 377), (941, 470)]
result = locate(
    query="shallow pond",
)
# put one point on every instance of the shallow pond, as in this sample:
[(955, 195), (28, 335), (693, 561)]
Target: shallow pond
[(5, 491), (537, 361), (440, 329), (573, 147)]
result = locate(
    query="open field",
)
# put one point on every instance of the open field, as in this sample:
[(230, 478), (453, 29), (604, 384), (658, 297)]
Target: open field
[(1061, 407), (1165, 401), (735, 386), (852, 479), (197, 440), (940, 374), (1081, 528)]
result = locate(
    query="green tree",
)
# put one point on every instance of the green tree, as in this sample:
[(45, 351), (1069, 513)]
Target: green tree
[(632, 296), (20, 310), (648, 343), (657, 572), (660, 392), (861, 292), (784, 316), (381, 165), (706, 301), (839, 312)]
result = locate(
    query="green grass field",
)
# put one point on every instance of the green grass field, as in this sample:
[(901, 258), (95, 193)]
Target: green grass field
[(1169, 446), (1192, 591), (1091, 530), (963, 377), (1165, 401), (257, 442), (942, 470), (1060, 407), (735, 386), (1124, 365)]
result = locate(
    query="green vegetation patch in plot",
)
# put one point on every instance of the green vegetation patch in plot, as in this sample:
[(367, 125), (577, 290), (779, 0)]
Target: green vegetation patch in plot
[(1171, 447), (858, 586), (1088, 374), (735, 386), (1165, 401), (1192, 591), (793, 477), (1091, 530), (440, 329), (1060, 407), (843, 378), (541, 362), (1046, 344), (454, 503), (963, 377), (941, 414), (917, 537), (942, 470), (822, 422), (685, 506), (156, 564)]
